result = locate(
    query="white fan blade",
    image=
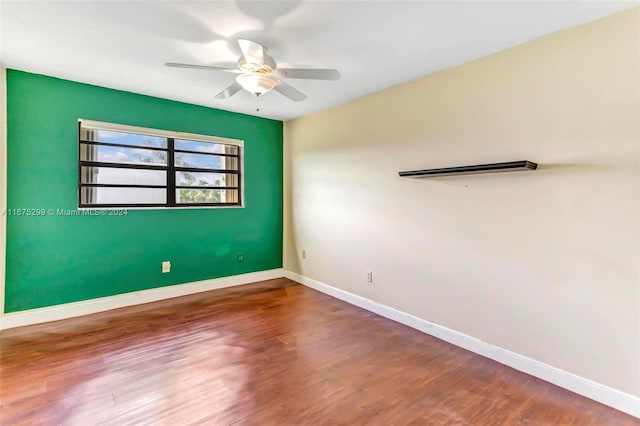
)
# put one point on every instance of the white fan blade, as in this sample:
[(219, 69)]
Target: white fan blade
[(309, 73), (229, 91), (253, 52), (203, 67), (291, 93)]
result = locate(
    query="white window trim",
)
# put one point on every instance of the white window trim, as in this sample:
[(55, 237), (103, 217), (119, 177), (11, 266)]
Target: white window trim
[(100, 125)]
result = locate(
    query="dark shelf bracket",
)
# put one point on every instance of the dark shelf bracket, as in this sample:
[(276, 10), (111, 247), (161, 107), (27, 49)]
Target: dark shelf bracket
[(511, 166)]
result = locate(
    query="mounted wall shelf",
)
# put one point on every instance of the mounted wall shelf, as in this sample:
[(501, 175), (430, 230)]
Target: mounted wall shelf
[(512, 166)]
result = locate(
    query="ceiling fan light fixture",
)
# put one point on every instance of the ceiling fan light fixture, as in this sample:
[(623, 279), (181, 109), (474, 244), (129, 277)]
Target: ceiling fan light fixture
[(257, 84)]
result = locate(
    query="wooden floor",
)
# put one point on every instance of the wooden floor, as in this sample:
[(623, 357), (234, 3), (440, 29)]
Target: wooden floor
[(270, 353)]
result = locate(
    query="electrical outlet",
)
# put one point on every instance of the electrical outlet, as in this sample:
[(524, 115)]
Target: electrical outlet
[(166, 267), (304, 254), (240, 258), (369, 277)]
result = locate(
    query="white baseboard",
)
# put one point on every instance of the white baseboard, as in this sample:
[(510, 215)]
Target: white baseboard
[(86, 307), (614, 398)]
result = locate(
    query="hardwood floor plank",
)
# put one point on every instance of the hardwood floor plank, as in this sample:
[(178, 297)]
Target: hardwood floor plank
[(269, 353)]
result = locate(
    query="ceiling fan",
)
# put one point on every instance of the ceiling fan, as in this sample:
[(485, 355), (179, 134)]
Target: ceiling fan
[(259, 73)]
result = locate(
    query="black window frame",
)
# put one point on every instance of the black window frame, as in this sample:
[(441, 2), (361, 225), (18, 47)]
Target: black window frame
[(170, 184)]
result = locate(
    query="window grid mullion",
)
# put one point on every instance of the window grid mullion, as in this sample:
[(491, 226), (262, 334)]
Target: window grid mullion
[(120, 185), (171, 173), (119, 145), (138, 166), (214, 154)]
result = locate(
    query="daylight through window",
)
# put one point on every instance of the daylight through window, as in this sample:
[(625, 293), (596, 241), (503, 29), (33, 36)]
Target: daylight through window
[(126, 166)]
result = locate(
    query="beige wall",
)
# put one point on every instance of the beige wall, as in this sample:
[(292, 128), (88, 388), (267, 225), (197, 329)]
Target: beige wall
[(542, 263)]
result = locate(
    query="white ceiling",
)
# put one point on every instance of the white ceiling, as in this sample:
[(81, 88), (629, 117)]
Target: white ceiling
[(374, 44)]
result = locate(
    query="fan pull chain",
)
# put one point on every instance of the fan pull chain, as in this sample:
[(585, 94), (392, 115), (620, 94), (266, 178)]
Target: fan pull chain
[(257, 98)]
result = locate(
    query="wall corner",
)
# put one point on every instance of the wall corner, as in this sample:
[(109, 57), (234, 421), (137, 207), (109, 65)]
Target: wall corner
[(3, 184)]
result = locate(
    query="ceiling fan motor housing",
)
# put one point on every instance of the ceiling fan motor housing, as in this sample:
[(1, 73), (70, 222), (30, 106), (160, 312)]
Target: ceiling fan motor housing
[(255, 67)]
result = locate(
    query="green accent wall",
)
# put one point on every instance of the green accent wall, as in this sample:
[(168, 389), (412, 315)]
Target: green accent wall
[(56, 259)]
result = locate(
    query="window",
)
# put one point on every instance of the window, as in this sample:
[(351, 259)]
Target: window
[(126, 166)]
